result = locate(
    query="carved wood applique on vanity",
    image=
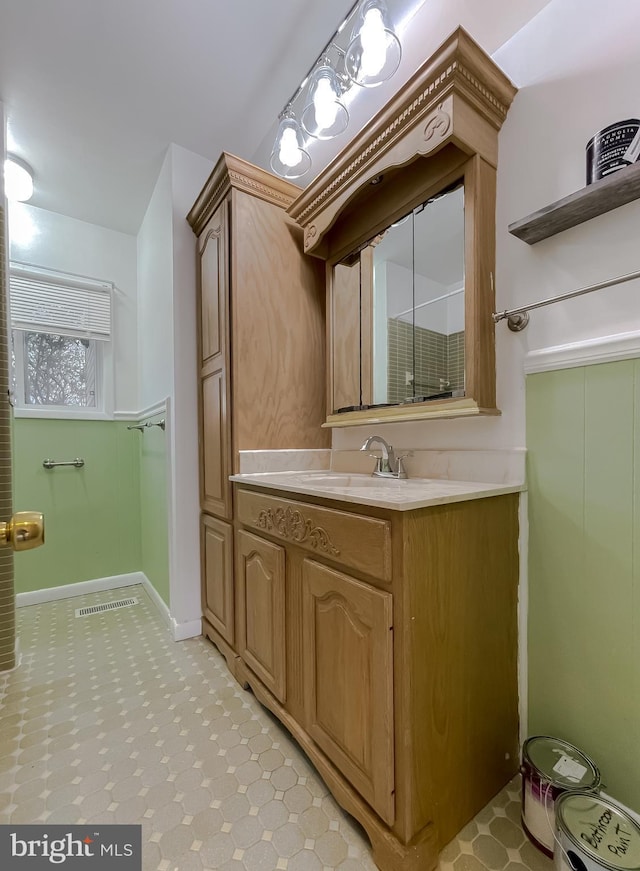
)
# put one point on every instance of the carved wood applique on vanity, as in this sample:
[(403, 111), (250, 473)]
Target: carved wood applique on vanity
[(291, 524)]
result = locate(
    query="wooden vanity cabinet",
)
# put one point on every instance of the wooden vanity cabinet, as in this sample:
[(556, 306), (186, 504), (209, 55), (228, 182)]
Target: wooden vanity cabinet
[(261, 359), (399, 653)]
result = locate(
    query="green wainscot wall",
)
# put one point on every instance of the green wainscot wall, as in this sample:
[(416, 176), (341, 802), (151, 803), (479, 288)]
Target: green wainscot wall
[(583, 440), (154, 525), (94, 516)]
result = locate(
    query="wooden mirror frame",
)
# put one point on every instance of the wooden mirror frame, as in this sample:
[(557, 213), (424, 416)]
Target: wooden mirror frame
[(441, 127)]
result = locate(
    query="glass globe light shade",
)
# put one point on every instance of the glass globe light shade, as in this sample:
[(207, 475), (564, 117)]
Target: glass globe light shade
[(374, 53), (289, 158), (18, 179), (325, 115)]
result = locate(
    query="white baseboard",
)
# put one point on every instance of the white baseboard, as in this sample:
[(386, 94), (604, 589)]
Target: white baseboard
[(37, 597), (157, 600), (182, 631), (179, 631)]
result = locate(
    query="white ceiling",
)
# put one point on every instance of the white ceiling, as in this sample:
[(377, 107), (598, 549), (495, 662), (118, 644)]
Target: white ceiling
[(95, 90)]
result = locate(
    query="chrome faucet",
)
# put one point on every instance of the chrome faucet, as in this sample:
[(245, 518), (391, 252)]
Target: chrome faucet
[(388, 465)]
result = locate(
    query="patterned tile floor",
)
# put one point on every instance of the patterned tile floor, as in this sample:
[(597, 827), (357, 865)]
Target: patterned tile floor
[(107, 720)]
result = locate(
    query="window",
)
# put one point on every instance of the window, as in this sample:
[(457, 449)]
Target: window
[(56, 370), (61, 325)]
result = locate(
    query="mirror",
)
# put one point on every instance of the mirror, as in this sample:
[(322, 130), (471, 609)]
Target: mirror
[(399, 311)]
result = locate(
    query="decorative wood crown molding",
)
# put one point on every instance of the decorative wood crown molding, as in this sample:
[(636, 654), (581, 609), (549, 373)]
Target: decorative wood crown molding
[(459, 74), (233, 172)]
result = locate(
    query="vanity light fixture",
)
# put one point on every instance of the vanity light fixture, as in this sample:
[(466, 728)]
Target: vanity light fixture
[(289, 158), (365, 54), (374, 53), (325, 115), (18, 179)]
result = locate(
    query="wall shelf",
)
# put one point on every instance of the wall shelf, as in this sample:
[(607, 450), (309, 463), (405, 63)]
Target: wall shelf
[(602, 196)]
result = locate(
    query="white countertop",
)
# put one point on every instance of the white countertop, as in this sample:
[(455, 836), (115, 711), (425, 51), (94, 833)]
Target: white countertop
[(399, 495)]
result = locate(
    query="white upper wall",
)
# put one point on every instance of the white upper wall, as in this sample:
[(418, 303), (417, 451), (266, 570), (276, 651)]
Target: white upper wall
[(189, 172), (167, 361), (155, 294), (577, 67), (55, 241), (145, 270)]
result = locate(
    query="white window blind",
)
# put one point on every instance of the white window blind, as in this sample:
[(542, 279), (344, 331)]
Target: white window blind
[(49, 302)]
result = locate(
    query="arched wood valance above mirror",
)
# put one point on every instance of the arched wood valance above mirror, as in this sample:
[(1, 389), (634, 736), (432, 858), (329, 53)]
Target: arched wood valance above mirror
[(405, 219)]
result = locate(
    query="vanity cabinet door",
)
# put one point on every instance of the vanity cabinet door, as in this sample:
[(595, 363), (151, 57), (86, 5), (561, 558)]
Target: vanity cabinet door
[(348, 679), (217, 575), (260, 568)]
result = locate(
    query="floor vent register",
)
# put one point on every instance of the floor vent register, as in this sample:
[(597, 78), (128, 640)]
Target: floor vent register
[(107, 606)]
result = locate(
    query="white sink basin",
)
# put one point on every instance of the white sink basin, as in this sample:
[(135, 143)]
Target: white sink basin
[(346, 480)]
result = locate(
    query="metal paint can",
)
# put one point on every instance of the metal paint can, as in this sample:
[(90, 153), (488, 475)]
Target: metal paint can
[(613, 148), (595, 834), (551, 767)]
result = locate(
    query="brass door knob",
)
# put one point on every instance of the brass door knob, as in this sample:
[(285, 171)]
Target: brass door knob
[(24, 531)]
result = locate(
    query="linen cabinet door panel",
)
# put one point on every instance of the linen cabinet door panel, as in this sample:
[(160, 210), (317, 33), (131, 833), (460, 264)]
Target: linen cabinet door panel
[(260, 568), (348, 679), (213, 327), (215, 456), (217, 576), (213, 286)]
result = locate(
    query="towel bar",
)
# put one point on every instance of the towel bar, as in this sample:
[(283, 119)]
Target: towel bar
[(51, 464)]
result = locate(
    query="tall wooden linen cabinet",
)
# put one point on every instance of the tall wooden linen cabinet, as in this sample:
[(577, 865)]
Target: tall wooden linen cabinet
[(261, 356)]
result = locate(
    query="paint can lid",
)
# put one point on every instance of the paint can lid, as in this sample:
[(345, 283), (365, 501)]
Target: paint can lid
[(600, 829), (560, 763)]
